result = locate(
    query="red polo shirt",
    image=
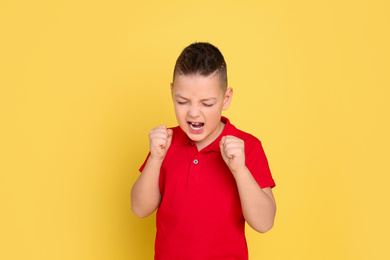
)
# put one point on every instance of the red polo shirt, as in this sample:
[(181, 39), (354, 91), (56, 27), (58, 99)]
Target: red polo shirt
[(200, 215)]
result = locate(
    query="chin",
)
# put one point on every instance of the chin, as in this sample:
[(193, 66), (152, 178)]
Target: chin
[(195, 137)]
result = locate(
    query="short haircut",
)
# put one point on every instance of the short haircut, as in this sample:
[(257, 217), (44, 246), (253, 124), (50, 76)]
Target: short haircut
[(202, 58)]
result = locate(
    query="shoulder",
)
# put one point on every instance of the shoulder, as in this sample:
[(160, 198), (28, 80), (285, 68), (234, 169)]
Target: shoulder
[(253, 146), (233, 130), (249, 139), (178, 136), (246, 136)]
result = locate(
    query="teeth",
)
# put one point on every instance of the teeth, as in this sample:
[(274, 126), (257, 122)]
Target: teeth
[(196, 126)]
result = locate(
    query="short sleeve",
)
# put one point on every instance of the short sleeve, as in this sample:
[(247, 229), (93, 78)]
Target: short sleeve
[(161, 177), (143, 165), (257, 163)]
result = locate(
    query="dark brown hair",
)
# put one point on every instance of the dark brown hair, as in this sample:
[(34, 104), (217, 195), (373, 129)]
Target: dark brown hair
[(202, 58)]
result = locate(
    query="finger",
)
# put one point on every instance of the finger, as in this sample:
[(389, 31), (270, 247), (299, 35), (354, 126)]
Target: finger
[(232, 152), (222, 142), (161, 128), (231, 138), (169, 132), (233, 144), (159, 142), (158, 132), (158, 138), (169, 140), (222, 148)]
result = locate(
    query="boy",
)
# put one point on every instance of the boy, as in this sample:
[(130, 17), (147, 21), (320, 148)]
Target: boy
[(205, 177)]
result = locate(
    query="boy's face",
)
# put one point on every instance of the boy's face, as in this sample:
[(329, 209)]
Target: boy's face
[(198, 103)]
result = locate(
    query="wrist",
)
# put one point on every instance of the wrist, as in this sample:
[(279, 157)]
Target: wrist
[(239, 172), (156, 159)]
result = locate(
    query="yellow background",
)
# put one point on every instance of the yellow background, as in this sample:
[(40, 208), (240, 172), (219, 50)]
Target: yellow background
[(82, 83)]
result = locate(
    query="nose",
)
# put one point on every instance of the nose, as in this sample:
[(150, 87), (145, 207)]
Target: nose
[(194, 111)]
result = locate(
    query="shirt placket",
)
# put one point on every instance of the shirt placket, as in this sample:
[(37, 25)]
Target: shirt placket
[(194, 169)]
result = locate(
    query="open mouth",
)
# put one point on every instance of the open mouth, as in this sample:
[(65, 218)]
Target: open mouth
[(196, 126)]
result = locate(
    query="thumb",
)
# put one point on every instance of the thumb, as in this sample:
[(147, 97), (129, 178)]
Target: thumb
[(221, 144), (170, 134)]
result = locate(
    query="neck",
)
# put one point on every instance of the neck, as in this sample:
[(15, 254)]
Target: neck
[(204, 143)]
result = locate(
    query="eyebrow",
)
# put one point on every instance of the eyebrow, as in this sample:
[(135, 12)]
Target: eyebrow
[(205, 99)]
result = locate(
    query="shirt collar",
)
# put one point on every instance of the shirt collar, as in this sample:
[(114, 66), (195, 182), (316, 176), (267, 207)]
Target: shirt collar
[(180, 137)]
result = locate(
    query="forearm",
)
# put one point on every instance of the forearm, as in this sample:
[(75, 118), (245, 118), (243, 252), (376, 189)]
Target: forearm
[(145, 194), (258, 205)]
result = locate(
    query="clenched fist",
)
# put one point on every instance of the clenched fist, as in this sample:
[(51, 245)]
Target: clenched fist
[(233, 153), (159, 141)]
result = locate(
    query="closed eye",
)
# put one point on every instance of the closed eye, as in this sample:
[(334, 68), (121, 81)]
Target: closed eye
[(208, 105), (182, 102)]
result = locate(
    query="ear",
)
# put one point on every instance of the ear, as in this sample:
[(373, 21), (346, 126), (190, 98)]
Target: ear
[(171, 86), (227, 99)]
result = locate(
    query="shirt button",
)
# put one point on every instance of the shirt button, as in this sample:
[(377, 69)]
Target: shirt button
[(196, 161), (191, 144)]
